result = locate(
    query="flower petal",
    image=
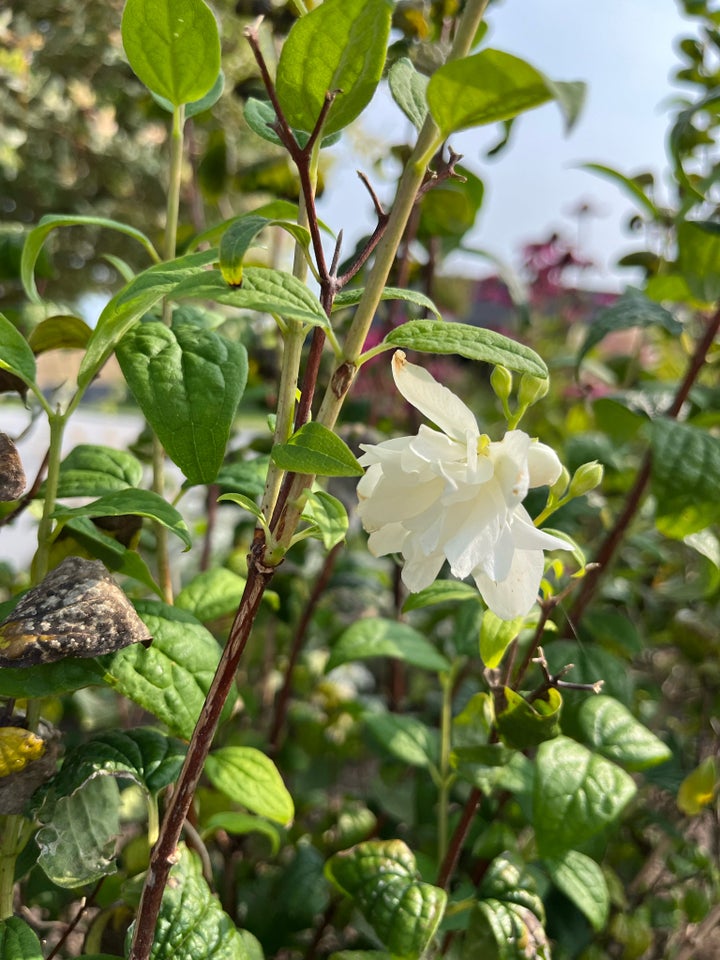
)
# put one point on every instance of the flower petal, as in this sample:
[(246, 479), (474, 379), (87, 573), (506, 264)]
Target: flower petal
[(436, 402), (544, 466), (515, 595)]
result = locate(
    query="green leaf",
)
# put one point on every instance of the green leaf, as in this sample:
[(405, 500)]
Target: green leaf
[(264, 290), (18, 941), (171, 678), (496, 635), (608, 728), (188, 383), (493, 766), (313, 449), (139, 503), (245, 502), (441, 591), (409, 91), (247, 776), (339, 46), (474, 343), (685, 477), (91, 470), (329, 515), (629, 184), (570, 96), (381, 878), (699, 788), (115, 555), (240, 236), (583, 882), (450, 209), (15, 353), (77, 845), (523, 724), (50, 679), (144, 755), (38, 235), (59, 333), (211, 594), (576, 795), (131, 302), (507, 922), (406, 738), (699, 258), (260, 117), (197, 106), (173, 46), (348, 298), (238, 824), (273, 210), (377, 637), (192, 924), (485, 88), (632, 309)]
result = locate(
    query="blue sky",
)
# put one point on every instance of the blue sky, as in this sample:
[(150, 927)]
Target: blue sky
[(625, 51)]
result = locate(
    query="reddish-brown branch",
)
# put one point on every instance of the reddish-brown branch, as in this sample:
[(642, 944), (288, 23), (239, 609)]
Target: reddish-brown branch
[(449, 864)]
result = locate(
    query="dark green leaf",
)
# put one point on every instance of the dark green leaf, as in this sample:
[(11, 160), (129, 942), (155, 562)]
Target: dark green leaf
[(247, 776), (493, 766), (583, 882), (381, 878), (18, 941), (348, 298), (474, 343), (523, 724), (609, 728), (50, 679), (59, 333), (238, 824), (685, 477), (211, 594), (140, 503), (576, 795), (376, 637), (339, 46), (260, 117), (409, 90), (91, 470), (315, 450), (188, 383), (699, 258), (173, 46), (406, 738), (115, 555), (15, 354), (441, 591), (632, 309)]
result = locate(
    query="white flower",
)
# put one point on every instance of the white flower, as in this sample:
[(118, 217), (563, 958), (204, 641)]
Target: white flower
[(456, 495)]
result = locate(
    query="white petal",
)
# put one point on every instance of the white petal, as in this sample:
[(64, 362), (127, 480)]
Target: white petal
[(509, 457), (515, 595), (395, 499), (528, 537), (420, 571), (544, 466), (436, 402), (388, 539)]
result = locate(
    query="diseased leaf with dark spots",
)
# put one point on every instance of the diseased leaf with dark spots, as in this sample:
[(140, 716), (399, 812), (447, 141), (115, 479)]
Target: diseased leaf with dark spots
[(12, 475)]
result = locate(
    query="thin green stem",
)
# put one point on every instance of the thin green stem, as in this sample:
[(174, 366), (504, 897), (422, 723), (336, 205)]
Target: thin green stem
[(446, 778), (42, 558), (11, 829)]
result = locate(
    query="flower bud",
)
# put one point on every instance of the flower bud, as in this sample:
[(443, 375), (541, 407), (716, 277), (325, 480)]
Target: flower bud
[(586, 478), (501, 381), (532, 389), (558, 489)]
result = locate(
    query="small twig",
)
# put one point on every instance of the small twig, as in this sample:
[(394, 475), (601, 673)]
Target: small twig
[(556, 680), (446, 172), (86, 902), (374, 240)]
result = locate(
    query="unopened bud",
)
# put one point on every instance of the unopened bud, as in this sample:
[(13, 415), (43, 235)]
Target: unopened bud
[(501, 381), (586, 478), (560, 486), (532, 389)]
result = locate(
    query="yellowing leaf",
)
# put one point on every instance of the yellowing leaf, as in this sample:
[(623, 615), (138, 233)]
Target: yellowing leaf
[(18, 748)]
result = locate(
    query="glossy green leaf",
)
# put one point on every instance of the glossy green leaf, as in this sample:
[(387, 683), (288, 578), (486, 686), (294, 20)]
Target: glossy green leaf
[(629, 184), (188, 383), (496, 635), (493, 766), (273, 210), (77, 843), (328, 515), (406, 738), (450, 209), (238, 824), (196, 106), (315, 450), (484, 88), (348, 298), (50, 679), (474, 343), (173, 46), (523, 724), (507, 921), (192, 925), (59, 333), (265, 290), (576, 795), (247, 776), (91, 470), (131, 302), (15, 354), (583, 882), (409, 90), (144, 755), (338, 46), (245, 502), (632, 309), (240, 236), (608, 728), (260, 117), (377, 637), (38, 235), (685, 477), (699, 258), (211, 594), (171, 678), (139, 503), (381, 878), (18, 941), (441, 591)]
